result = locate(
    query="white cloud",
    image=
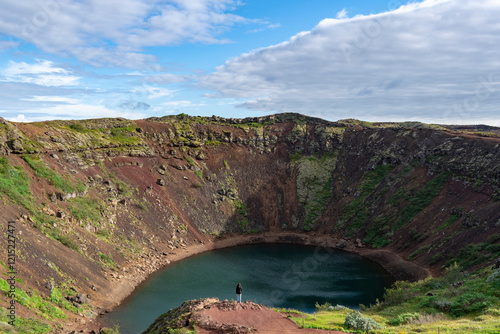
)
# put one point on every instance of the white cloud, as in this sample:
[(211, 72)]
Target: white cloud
[(434, 60), (157, 92), (76, 111), (52, 99), (181, 104), (114, 32), (342, 14), (41, 73), (19, 118)]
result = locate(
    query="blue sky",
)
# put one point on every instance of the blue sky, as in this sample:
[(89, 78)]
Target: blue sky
[(434, 61)]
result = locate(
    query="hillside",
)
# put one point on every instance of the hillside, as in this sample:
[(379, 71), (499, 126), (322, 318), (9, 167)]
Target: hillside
[(100, 204)]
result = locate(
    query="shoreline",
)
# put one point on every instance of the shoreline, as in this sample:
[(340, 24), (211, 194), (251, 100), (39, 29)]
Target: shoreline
[(123, 284)]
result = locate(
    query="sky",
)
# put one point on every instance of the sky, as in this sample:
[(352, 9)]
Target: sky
[(433, 61)]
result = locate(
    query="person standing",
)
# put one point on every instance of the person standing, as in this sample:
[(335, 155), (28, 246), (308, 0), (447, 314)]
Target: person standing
[(239, 291)]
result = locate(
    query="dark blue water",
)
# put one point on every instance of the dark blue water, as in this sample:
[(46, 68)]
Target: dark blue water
[(278, 275)]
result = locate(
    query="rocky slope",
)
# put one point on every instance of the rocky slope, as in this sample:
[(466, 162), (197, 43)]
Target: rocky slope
[(100, 204)]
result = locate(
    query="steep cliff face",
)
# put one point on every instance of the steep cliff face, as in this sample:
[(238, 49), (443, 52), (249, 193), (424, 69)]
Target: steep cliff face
[(90, 197)]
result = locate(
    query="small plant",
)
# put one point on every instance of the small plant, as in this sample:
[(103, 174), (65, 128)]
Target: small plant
[(404, 319), (66, 240), (114, 330), (472, 302), (107, 260), (323, 307), (357, 321)]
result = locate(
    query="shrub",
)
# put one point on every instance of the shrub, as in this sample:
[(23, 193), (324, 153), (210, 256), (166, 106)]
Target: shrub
[(107, 260), (404, 318), (357, 321), (398, 293), (65, 240), (323, 307), (114, 330), (453, 274), (471, 302)]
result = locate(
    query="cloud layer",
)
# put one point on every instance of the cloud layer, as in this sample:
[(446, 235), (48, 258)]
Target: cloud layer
[(435, 61), (114, 32)]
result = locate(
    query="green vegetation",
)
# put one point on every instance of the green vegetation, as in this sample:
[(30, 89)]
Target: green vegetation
[(357, 211), (422, 199), (23, 326), (42, 170), (114, 330), (355, 320), (428, 306), (33, 301), (85, 209), (453, 218), (476, 253), (108, 261), (65, 239), (314, 179), (57, 298), (78, 127), (242, 217), (125, 135), (15, 184)]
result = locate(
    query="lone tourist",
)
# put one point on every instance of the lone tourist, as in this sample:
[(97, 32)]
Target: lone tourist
[(239, 290)]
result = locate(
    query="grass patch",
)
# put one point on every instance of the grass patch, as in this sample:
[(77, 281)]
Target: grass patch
[(108, 261), (43, 171), (33, 301), (422, 199), (65, 239), (357, 211), (78, 127), (125, 135), (199, 173), (15, 184), (85, 209), (482, 252), (242, 217), (25, 326)]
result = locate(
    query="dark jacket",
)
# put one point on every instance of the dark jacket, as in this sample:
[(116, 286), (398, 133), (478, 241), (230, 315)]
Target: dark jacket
[(239, 289)]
